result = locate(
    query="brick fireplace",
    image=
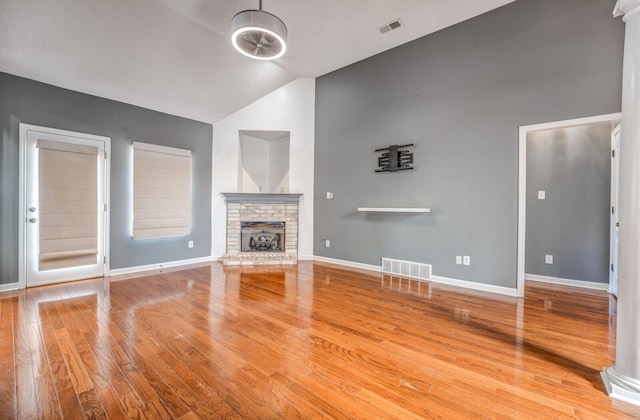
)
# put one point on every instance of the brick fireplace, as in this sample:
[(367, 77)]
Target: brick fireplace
[(261, 209)]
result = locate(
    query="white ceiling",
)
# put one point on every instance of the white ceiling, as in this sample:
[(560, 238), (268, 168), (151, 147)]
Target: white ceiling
[(175, 56)]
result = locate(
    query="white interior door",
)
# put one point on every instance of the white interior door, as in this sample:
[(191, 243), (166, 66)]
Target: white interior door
[(615, 201), (64, 193)]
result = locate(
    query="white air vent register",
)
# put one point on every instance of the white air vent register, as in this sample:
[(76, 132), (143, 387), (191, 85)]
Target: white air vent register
[(390, 26), (406, 269)]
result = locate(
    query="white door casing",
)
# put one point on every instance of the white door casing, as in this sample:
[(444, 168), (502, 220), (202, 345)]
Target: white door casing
[(615, 205), (522, 181), (30, 272)]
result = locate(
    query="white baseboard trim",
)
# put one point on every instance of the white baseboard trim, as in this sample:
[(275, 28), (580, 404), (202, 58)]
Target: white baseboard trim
[(305, 257), (9, 287), (568, 282), (434, 279), (346, 263), (159, 266), (501, 290)]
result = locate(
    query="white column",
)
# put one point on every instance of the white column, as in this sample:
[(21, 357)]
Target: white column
[(623, 380)]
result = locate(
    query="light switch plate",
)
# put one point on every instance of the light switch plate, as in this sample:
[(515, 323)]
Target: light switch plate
[(466, 260), (458, 259), (329, 195), (541, 195), (548, 259)]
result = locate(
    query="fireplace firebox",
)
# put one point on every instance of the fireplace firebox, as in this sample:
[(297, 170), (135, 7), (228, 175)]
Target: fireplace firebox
[(262, 236)]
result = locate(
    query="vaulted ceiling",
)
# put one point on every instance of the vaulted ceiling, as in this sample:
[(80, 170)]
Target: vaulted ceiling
[(175, 55)]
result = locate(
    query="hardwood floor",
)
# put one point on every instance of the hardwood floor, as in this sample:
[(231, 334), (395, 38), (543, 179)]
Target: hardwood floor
[(306, 341)]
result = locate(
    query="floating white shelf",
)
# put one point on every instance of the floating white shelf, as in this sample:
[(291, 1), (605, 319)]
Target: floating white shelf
[(395, 209)]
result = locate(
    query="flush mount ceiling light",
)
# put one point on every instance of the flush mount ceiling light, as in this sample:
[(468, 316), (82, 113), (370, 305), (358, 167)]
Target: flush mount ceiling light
[(258, 34)]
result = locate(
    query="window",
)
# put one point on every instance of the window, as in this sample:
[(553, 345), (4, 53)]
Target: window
[(161, 191), (68, 197)]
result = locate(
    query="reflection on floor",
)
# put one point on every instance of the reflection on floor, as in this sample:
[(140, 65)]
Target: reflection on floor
[(312, 340)]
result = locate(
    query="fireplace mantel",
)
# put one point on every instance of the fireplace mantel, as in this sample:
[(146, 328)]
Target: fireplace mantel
[(262, 198)]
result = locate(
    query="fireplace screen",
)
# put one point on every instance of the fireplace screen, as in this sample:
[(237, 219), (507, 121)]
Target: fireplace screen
[(262, 236)]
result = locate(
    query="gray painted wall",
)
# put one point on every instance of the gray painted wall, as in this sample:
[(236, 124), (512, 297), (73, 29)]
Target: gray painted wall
[(573, 167), (460, 95), (27, 101)]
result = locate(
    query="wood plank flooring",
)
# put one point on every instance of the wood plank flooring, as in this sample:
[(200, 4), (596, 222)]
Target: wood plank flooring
[(306, 341)]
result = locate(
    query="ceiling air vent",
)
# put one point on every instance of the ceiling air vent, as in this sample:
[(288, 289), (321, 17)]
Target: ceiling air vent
[(390, 26)]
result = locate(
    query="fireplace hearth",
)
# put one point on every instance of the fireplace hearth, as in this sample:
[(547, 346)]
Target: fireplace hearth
[(262, 236)]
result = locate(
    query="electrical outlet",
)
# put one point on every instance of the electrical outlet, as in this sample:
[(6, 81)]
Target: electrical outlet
[(541, 195), (327, 243), (190, 244), (329, 195), (548, 259), (458, 259), (466, 260)]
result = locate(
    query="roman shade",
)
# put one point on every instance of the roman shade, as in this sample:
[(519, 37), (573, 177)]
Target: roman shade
[(161, 191), (68, 201)]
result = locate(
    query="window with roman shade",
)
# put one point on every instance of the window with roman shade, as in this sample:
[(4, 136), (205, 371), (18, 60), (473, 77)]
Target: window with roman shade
[(161, 191), (68, 201)]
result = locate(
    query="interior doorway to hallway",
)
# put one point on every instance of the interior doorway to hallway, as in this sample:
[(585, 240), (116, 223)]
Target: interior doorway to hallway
[(566, 233)]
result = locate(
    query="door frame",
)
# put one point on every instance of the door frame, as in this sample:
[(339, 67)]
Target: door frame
[(615, 204), (522, 180), (22, 194)]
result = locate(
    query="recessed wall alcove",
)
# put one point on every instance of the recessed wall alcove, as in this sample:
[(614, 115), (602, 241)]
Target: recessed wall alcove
[(264, 161)]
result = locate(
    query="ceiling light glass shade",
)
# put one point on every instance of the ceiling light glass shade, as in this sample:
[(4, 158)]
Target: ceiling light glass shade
[(259, 35)]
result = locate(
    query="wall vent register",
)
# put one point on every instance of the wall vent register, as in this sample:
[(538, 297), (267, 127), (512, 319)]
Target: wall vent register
[(406, 269)]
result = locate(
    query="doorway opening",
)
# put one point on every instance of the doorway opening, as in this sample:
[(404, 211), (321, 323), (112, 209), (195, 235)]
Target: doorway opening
[(63, 206), (566, 148)]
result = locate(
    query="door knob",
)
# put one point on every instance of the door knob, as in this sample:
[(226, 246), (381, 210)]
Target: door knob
[(32, 220), (32, 209)]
